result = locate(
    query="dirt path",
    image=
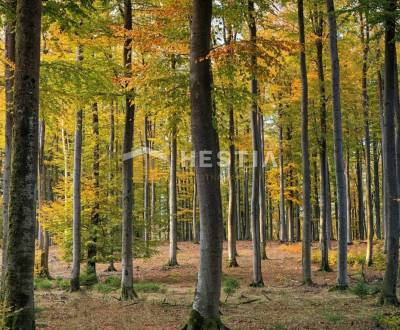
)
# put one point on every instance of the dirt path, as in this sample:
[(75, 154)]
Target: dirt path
[(283, 304)]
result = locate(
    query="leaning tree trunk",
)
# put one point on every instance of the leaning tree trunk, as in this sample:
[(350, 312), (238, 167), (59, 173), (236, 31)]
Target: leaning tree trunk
[(127, 291), (255, 206), (19, 299), (389, 295), (172, 202), (338, 146), (95, 214), (348, 183), (305, 153), (232, 208), (9, 99), (205, 312), (76, 197)]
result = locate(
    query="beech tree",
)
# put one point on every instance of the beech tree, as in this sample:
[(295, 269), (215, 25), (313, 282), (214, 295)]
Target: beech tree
[(24, 166), (205, 312)]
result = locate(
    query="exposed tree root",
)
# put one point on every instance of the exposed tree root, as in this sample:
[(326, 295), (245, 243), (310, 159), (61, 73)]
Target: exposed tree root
[(198, 322), (233, 263), (259, 284), (128, 293)]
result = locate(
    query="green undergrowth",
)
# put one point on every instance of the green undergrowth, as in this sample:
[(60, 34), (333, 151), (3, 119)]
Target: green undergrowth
[(45, 284)]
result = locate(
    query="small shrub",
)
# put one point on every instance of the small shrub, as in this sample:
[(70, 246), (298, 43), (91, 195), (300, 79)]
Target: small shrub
[(43, 284), (230, 285), (62, 283), (387, 321), (103, 288), (148, 287), (361, 289), (113, 281)]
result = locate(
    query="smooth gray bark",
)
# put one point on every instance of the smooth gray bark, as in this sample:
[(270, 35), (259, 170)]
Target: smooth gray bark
[(127, 291), (232, 207), (19, 298), (342, 280), (172, 202), (205, 139), (389, 295), (255, 192), (306, 246), (76, 196)]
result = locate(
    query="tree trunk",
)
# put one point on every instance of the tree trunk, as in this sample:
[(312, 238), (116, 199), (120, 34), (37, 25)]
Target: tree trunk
[(95, 215), (9, 99), (22, 206), (389, 295), (146, 190), (370, 216), (127, 291), (377, 199), (348, 183), (172, 202), (360, 194), (306, 252), (76, 198), (43, 266), (255, 192), (338, 146), (382, 110), (263, 210), (323, 160), (232, 194), (282, 217), (205, 313)]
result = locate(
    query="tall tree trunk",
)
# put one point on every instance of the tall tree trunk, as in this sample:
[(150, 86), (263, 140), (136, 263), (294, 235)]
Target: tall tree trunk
[(369, 205), (43, 265), (385, 203), (172, 201), (348, 183), (95, 215), (232, 194), (246, 212), (282, 217), (306, 252), (205, 311), (338, 146), (377, 199), (389, 295), (360, 194), (323, 159), (146, 190), (76, 198), (22, 206), (195, 223), (9, 98), (127, 291), (263, 215), (255, 206)]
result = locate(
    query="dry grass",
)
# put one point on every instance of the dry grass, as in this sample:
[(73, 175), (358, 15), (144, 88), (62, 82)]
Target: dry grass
[(283, 304)]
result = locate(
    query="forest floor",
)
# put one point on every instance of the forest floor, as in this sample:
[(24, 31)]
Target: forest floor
[(165, 295)]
